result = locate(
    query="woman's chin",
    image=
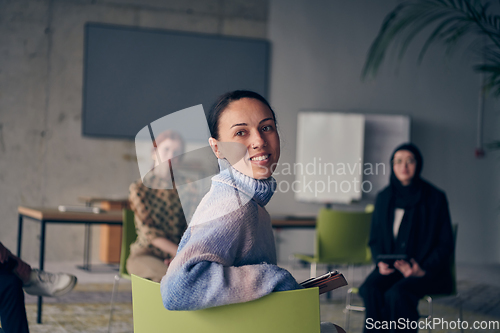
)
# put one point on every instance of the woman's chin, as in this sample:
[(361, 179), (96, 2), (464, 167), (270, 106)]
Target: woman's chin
[(262, 173)]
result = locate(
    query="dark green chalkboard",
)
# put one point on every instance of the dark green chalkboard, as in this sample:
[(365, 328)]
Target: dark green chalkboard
[(133, 76)]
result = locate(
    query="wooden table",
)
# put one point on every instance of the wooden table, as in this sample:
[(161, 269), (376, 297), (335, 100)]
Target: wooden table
[(110, 235), (288, 222), (53, 215)]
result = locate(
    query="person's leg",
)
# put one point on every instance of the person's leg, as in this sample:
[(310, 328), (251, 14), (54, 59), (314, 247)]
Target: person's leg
[(402, 301), (48, 284), (12, 309), (372, 291), (41, 283), (146, 266), (15, 275)]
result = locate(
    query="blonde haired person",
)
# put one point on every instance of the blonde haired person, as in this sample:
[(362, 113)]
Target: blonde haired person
[(159, 218)]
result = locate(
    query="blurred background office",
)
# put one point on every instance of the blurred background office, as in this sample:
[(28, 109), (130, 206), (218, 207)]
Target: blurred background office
[(318, 49)]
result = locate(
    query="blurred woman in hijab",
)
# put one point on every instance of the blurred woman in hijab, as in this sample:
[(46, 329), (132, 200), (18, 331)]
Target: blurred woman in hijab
[(411, 218)]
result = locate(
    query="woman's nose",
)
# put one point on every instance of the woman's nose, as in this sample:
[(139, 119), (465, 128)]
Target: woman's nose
[(258, 140)]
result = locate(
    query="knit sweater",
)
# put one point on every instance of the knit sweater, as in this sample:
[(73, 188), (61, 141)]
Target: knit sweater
[(227, 255)]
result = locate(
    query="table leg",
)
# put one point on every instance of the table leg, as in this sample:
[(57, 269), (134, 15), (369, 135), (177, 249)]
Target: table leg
[(41, 264), (19, 235), (42, 245), (86, 248), (39, 310), (89, 248)]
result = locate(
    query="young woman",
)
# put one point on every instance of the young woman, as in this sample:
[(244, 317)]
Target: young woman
[(159, 218), (227, 254), (411, 217), (16, 275)]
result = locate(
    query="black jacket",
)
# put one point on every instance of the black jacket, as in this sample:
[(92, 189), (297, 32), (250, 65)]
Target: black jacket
[(429, 238)]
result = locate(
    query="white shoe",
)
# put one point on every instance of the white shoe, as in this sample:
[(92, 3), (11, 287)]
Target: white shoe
[(49, 284)]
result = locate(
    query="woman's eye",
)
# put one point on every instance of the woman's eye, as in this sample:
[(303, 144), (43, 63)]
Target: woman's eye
[(267, 128), (240, 133)]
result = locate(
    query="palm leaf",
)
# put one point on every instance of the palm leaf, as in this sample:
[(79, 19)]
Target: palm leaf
[(451, 21), (493, 145)]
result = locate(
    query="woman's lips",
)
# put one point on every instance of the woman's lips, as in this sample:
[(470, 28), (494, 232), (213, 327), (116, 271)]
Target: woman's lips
[(261, 159)]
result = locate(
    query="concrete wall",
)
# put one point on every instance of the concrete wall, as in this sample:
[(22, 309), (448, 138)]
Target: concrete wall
[(319, 48), (44, 160), (318, 51)]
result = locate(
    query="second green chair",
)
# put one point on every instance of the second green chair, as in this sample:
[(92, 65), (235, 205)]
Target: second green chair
[(341, 239)]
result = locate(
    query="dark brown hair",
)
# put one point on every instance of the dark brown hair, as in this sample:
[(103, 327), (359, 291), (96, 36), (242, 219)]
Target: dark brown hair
[(223, 102)]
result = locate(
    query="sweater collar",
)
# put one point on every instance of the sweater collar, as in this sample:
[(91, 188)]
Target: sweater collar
[(261, 190)]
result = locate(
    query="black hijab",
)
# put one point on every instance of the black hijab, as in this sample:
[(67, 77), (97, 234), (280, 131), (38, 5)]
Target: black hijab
[(407, 196)]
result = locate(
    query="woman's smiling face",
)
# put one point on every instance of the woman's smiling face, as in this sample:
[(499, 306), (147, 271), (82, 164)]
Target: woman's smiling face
[(250, 123)]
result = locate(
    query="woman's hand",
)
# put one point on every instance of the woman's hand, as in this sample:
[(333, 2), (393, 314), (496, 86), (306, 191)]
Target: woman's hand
[(165, 245), (409, 269), (384, 269)]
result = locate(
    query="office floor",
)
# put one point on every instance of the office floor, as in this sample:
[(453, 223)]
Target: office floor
[(86, 308)]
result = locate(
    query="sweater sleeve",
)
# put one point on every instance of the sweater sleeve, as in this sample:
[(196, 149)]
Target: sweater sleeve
[(205, 273)]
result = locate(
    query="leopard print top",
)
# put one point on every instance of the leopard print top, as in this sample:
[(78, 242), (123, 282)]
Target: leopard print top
[(158, 213)]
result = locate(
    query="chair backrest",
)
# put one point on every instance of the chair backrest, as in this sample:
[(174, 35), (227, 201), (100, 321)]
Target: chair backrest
[(342, 237), (453, 267), (453, 263), (369, 208), (295, 311), (128, 237)]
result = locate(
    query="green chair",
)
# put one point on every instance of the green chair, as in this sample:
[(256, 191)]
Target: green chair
[(341, 239), (295, 311), (128, 237), (428, 298)]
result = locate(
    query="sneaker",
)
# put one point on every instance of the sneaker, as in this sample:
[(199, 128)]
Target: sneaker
[(49, 284)]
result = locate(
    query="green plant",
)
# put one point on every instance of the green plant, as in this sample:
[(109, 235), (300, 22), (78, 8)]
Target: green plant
[(450, 22)]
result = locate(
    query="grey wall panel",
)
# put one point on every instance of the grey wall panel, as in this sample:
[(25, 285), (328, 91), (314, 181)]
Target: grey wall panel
[(345, 155), (319, 49), (383, 133), (133, 76), (330, 153)]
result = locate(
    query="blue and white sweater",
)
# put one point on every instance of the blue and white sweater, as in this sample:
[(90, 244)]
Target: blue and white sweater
[(227, 255)]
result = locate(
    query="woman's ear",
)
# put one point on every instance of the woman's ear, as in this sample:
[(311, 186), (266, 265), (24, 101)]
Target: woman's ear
[(215, 147)]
